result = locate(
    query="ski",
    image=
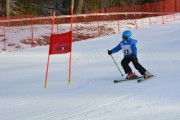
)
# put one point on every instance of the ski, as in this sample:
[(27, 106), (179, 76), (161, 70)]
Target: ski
[(123, 80), (144, 79)]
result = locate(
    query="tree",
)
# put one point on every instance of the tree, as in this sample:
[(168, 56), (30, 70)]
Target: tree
[(78, 6), (45, 7), (26, 7)]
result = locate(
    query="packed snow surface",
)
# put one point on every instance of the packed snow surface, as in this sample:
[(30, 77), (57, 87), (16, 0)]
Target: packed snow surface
[(92, 94)]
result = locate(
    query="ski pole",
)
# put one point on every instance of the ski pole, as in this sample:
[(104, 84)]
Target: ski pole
[(117, 65)]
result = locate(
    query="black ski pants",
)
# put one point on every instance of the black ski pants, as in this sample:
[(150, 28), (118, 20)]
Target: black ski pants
[(125, 64)]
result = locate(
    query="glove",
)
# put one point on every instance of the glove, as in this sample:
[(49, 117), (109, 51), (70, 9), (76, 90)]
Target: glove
[(109, 52)]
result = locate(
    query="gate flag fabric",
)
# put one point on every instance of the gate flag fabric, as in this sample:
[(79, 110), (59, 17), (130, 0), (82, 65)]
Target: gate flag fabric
[(60, 43)]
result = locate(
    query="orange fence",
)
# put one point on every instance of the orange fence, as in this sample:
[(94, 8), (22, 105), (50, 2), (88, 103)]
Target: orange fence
[(117, 13), (177, 5), (103, 22)]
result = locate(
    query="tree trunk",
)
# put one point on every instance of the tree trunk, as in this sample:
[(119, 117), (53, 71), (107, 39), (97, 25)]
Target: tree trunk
[(78, 6), (7, 8)]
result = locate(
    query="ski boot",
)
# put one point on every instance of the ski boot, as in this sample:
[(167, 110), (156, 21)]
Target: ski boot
[(147, 75), (131, 76)]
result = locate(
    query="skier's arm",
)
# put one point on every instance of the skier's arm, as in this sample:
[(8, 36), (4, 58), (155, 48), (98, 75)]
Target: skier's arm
[(116, 49)]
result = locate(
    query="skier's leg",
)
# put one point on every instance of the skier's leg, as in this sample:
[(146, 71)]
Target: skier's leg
[(137, 65), (125, 64)]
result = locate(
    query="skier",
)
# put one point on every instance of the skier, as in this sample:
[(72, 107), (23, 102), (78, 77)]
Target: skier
[(128, 46)]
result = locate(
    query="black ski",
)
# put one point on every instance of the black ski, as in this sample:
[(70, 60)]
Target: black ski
[(144, 79), (123, 80)]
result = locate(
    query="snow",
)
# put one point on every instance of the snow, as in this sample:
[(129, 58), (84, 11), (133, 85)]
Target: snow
[(92, 94)]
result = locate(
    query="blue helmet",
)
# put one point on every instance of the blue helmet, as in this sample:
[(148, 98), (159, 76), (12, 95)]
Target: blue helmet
[(126, 35)]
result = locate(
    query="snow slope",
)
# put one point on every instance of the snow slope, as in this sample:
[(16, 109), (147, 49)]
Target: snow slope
[(93, 95)]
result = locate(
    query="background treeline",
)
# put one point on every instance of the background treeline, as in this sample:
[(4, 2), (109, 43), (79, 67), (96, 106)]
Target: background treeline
[(46, 7)]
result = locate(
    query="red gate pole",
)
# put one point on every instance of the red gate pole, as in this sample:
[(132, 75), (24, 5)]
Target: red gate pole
[(47, 67), (70, 56)]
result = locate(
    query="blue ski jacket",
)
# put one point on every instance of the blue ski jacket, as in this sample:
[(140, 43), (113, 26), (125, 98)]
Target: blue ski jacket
[(128, 48)]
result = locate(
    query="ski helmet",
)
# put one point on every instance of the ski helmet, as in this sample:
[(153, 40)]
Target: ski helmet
[(126, 35)]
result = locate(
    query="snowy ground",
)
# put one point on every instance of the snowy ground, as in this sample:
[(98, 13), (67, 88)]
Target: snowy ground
[(93, 95)]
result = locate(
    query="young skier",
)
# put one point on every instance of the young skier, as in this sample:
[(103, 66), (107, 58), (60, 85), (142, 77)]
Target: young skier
[(128, 46)]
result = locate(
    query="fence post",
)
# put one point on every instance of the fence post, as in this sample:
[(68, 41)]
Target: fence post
[(174, 10), (4, 30), (161, 3), (98, 23), (57, 24), (32, 32), (134, 7), (76, 25), (149, 13), (118, 19)]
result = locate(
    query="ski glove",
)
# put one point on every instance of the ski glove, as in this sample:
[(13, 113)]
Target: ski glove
[(109, 52)]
